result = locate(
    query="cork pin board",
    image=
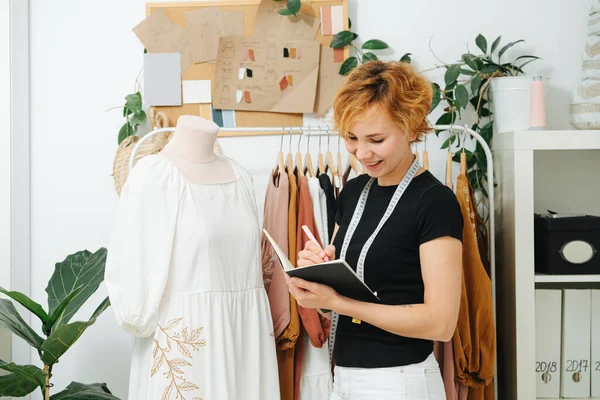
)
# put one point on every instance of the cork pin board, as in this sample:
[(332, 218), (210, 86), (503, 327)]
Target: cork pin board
[(206, 71)]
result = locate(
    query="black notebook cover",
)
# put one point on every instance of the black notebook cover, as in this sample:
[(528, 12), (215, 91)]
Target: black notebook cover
[(336, 274)]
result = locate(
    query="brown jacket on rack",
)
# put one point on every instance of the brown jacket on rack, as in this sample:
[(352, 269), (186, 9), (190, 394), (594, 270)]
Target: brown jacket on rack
[(473, 342), (287, 341)]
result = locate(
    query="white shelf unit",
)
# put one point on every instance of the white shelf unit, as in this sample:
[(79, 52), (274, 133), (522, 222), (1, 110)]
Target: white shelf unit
[(535, 171)]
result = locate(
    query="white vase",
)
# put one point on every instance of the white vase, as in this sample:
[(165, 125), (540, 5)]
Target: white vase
[(511, 102)]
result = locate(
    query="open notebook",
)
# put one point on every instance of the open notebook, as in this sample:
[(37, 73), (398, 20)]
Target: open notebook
[(336, 274)]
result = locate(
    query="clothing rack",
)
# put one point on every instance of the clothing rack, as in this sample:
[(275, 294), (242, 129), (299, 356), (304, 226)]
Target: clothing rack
[(325, 130)]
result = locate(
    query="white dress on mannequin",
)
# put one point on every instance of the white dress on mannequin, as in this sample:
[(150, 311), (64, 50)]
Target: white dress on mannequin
[(184, 276)]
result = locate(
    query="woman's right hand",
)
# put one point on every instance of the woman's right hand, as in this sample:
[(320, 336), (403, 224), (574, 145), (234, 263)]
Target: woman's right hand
[(313, 254)]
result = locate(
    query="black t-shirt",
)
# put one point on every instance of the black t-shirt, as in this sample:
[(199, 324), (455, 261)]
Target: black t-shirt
[(427, 210)]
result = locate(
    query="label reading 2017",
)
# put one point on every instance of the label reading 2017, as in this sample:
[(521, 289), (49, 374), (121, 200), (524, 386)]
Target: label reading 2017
[(577, 365)]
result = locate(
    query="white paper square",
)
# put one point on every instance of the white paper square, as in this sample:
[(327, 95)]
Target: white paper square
[(196, 92), (162, 79)]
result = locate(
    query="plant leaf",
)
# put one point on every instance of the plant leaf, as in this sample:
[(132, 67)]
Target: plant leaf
[(495, 44), (349, 23), (58, 313), (63, 337), (348, 65), (11, 319), (133, 102), (342, 39), (465, 71), (481, 43), (448, 142), (476, 84), (81, 269), (125, 131), (436, 96), (294, 6), (138, 118), (375, 44), (469, 59), (484, 112), (285, 12), (23, 380), (92, 391), (475, 100), (127, 111), (520, 68), (369, 57), (490, 69), (508, 46), (487, 131), (406, 58), (26, 302), (462, 96), (446, 119), (452, 74)]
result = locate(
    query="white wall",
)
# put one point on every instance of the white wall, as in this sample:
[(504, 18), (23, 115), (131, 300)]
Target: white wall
[(5, 342), (85, 57)]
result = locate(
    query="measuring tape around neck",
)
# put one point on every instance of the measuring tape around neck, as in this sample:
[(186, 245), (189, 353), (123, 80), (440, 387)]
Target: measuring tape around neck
[(358, 211)]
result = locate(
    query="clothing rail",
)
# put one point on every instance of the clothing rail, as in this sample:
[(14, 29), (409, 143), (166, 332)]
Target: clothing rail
[(452, 128)]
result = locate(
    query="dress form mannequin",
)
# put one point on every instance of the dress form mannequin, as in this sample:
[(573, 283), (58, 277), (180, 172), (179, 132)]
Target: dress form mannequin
[(191, 149)]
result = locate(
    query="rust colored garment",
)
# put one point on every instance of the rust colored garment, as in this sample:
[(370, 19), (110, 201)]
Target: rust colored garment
[(286, 342), (473, 341), (316, 325), (276, 223), (287, 348)]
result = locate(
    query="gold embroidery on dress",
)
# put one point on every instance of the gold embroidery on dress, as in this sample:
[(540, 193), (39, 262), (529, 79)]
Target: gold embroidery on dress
[(185, 343)]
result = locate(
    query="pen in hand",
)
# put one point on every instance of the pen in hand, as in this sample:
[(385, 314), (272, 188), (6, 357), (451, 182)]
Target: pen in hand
[(314, 240)]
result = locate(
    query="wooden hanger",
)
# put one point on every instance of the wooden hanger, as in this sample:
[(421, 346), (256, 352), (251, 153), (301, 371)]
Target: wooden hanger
[(290, 157), (308, 158), (280, 166), (449, 182), (330, 163), (463, 158), (449, 170), (299, 166), (321, 167)]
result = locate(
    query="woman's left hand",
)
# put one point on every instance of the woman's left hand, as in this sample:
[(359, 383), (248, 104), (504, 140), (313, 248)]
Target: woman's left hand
[(313, 295)]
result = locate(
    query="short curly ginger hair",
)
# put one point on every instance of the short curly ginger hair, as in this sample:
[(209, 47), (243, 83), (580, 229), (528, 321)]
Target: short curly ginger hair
[(395, 87)]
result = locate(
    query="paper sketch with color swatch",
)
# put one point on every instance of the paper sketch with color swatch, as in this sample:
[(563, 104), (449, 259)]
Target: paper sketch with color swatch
[(277, 76), (206, 25), (159, 34), (330, 80)]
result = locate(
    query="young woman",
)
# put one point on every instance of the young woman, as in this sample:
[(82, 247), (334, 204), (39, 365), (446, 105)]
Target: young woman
[(414, 258)]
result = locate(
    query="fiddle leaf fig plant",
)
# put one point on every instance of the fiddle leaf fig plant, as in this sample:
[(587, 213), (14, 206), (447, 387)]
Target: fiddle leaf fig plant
[(73, 282)]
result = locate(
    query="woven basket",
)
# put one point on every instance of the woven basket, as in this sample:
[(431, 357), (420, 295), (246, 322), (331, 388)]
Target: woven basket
[(152, 146)]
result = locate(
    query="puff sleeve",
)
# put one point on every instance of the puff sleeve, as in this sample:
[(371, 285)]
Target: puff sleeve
[(141, 244)]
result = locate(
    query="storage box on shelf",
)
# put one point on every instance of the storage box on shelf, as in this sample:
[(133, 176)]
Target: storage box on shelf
[(536, 171)]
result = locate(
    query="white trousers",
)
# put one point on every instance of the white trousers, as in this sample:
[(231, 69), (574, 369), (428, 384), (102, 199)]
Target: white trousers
[(421, 381)]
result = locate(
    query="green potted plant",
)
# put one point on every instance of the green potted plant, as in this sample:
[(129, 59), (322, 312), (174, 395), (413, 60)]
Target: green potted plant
[(467, 84), (73, 282)]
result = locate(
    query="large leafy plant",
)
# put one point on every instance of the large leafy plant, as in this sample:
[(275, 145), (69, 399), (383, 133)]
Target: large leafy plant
[(467, 85), (73, 282)]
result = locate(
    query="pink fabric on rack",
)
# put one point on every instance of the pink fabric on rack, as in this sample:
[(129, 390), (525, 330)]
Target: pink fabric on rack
[(276, 223)]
